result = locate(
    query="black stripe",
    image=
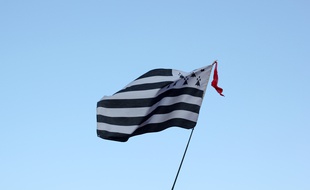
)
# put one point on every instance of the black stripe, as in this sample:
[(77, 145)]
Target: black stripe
[(156, 127), (123, 121), (120, 137), (146, 86), (148, 102), (150, 128), (156, 72)]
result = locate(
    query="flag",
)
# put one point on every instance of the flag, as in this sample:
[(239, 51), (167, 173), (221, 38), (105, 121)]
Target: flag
[(155, 101)]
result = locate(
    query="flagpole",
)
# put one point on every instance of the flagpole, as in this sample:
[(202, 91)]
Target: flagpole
[(189, 140)]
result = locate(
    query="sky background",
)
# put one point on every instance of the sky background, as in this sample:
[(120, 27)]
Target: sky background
[(58, 58)]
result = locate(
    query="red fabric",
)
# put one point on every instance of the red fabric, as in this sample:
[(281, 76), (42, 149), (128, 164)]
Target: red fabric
[(215, 80)]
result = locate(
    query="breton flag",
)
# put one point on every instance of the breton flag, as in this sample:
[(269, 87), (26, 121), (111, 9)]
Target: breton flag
[(157, 100)]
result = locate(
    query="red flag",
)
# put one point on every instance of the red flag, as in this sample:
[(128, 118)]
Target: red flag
[(215, 80)]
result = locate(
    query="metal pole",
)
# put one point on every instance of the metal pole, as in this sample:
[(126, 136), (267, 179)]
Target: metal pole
[(176, 177)]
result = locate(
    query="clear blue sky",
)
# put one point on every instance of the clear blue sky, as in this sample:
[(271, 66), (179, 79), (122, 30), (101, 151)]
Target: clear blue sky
[(58, 58)]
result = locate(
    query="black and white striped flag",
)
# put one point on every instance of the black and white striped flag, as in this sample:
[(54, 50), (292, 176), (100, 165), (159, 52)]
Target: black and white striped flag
[(157, 100)]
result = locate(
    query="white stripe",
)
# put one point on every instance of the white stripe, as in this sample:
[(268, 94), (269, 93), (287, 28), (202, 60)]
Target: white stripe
[(153, 79), (123, 112), (117, 128), (129, 129), (139, 112), (133, 95)]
